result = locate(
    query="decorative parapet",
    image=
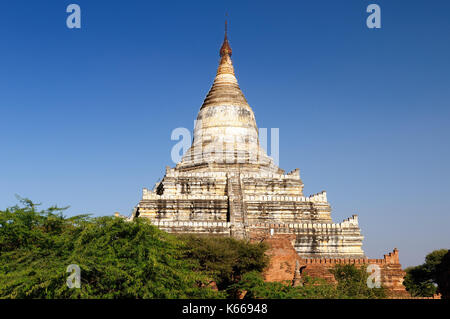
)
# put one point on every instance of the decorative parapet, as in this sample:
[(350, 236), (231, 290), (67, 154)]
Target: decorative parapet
[(391, 258), (348, 223), (334, 261), (295, 172), (150, 195), (319, 197), (165, 223), (179, 174), (352, 220), (265, 175), (316, 198)]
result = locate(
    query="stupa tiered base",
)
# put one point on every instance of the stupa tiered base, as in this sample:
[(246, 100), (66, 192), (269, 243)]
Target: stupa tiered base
[(226, 184)]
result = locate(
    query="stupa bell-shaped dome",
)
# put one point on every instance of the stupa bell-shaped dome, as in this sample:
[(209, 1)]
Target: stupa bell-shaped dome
[(225, 131)]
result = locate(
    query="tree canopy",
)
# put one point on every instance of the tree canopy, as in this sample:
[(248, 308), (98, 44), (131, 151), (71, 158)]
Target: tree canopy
[(443, 276), (226, 260), (351, 283), (118, 259), (121, 259), (422, 280)]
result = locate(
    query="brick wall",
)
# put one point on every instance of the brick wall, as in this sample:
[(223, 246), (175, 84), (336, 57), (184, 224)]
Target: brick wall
[(283, 259)]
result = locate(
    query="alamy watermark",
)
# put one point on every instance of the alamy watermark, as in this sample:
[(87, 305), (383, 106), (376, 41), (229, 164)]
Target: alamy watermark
[(73, 20), (374, 19), (374, 279), (74, 279)]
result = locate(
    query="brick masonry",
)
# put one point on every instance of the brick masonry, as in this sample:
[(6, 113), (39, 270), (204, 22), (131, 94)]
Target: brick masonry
[(283, 259)]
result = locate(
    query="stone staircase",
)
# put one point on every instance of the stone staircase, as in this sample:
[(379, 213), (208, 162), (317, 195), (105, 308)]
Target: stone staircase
[(238, 213)]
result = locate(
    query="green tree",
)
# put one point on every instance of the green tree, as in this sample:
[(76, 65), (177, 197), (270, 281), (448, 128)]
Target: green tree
[(352, 282), (422, 280), (226, 260), (443, 276), (118, 259), (254, 286)]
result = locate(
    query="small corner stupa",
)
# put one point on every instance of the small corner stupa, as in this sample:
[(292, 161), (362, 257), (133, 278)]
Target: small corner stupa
[(227, 185)]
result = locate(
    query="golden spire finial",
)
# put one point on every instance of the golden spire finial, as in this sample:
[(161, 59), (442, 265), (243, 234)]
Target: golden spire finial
[(226, 26), (225, 49)]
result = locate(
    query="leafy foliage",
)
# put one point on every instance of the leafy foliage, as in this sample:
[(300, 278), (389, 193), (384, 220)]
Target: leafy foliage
[(226, 260), (118, 259), (256, 288), (351, 283), (422, 280), (443, 276)]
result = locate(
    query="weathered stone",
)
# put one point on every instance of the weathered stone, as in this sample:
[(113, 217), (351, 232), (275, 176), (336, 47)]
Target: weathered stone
[(288, 266), (227, 185)]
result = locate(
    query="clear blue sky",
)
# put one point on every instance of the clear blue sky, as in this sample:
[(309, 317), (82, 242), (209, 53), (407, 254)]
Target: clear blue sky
[(86, 115)]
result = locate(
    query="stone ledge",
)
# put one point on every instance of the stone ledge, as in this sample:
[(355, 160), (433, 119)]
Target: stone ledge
[(206, 224)]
